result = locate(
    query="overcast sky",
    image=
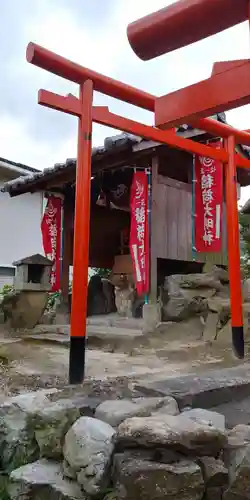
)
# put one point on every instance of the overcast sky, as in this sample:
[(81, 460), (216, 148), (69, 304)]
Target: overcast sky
[(92, 33)]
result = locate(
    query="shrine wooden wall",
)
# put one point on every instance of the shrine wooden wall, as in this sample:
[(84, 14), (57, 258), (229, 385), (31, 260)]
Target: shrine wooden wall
[(172, 217)]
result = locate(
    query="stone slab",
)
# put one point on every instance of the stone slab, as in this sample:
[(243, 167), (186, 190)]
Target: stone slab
[(116, 321), (53, 338), (209, 389), (235, 412)]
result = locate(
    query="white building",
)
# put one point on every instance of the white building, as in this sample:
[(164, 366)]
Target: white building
[(20, 222)]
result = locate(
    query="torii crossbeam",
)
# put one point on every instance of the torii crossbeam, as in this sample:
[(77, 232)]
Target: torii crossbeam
[(182, 110)]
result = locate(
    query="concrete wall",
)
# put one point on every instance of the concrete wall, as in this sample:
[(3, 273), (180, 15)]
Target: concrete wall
[(20, 220)]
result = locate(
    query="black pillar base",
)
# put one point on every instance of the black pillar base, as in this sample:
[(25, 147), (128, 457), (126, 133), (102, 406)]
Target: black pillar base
[(238, 341), (77, 360)]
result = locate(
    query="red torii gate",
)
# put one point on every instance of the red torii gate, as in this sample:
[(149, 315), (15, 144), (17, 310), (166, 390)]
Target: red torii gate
[(149, 37)]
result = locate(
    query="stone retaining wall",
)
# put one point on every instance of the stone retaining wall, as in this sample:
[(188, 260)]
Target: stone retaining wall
[(133, 449)]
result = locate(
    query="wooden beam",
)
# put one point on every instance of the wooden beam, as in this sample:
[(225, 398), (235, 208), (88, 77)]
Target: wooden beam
[(223, 91), (67, 104)]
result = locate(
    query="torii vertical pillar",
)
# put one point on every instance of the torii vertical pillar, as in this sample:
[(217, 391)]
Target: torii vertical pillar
[(234, 250), (82, 108), (81, 237)]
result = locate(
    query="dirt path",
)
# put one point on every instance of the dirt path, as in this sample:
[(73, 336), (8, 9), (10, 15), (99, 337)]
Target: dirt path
[(32, 365)]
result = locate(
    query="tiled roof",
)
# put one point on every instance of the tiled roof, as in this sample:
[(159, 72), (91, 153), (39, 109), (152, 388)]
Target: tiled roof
[(112, 145), (19, 165)]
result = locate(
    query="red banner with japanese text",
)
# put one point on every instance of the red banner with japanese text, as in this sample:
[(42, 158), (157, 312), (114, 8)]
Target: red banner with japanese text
[(208, 203), (139, 237), (51, 235)]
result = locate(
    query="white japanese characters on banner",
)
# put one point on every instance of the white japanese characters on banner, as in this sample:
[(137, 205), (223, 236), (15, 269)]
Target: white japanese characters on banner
[(208, 203), (139, 244), (51, 233)]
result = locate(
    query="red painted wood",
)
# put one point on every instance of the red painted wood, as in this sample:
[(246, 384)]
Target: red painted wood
[(69, 104), (221, 92), (82, 214), (164, 137), (221, 66), (233, 237), (45, 59), (102, 116), (182, 23)]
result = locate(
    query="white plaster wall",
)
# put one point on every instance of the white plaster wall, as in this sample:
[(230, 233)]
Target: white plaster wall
[(20, 220)]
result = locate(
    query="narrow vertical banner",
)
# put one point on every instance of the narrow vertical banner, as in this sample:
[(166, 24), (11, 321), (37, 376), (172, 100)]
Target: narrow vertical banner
[(51, 227), (149, 177), (208, 203), (139, 240), (193, 209)]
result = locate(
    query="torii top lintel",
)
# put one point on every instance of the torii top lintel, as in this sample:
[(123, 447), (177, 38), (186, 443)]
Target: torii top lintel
[(48, 60), (54, 63), (182, 23)]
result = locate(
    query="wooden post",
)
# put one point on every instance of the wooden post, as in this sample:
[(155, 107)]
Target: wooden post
[(81, 237), (234, 251), (153, 253)]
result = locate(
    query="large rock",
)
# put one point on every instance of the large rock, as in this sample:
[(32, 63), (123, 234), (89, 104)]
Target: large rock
[(237, 459), (218, 272), (174, 283), (141, 479), (24, 309), (88, 452), (179, 432), (32, 426), (211, 418), (169, 407), (181, 308), (239, 474), (42, 480), (18, 445), (185, 295), (222, 307), (214, 472), (116, 411), (51, 424), (237, 439)]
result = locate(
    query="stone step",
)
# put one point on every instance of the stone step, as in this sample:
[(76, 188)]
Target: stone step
[(111, 338), (206, 390), (113, 320), (235, 412)]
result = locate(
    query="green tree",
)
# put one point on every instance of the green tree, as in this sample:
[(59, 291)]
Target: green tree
[(102, 272)]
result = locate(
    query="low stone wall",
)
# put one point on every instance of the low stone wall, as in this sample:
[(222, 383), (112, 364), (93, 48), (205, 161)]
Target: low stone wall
[(138, 449)]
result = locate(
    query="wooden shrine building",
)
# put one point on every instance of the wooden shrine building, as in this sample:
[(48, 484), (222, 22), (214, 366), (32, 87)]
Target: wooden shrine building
[(112, 171)]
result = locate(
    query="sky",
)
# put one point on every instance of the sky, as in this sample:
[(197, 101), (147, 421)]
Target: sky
[(92, 33)]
